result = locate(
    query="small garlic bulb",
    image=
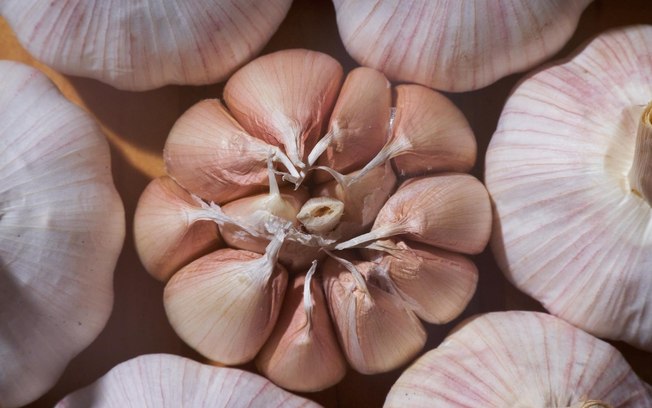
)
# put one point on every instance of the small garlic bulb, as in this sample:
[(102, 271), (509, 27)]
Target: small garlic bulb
[(144, 44), (62, 227), (168, 381), (455, 45), (520, 359), (568, 170)]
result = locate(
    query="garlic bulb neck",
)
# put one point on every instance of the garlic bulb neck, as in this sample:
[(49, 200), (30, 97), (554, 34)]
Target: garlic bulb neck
[(308, 302), (591, 404), (640, 175), (321, 214)]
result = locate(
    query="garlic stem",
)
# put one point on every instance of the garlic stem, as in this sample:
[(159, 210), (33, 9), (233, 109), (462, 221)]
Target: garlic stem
[(213, 212), (320, 215), (320, 147), (385, 231), (273, 185), (308, 302), (640, 175), (591, 404), (340, 178), (393, 148), (357, 276)]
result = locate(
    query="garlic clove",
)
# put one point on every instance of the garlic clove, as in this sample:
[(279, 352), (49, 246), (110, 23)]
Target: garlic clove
[(571, 228), (283, 98), (302, 354), (448, 211), (520, 359), (375, 329), (226, 304), (211, 155), (436, 284), (62, 227), (439, 136), (166, 232), (455, 46), (146, 44), (359, 123), (169, 381)]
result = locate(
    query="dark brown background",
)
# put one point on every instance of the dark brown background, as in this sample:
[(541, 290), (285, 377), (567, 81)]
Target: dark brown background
[(137, 125)]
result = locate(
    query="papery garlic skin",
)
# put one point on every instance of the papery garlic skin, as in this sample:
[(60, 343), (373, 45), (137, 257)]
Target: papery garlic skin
[(144, 44), (455, 45), (519, 359), (62, 228), (168, 381), (569, 230)]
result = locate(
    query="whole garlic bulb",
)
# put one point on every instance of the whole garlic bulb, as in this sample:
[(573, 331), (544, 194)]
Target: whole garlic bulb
[(288, 122), (144, 44), (62, 227), (520, 359), (455, 45), (168, 381), (569, 173)]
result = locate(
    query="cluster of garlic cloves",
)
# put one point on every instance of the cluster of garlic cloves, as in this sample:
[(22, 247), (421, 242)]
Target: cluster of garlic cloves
[(303, 179)]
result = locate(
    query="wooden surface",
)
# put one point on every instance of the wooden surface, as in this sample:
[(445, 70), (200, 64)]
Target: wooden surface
[(137, 124)]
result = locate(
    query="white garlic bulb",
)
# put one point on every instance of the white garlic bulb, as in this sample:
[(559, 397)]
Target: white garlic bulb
[(168, 381), (568, 179), (455, 45), (520, 359), (61, 229), (144, 44)]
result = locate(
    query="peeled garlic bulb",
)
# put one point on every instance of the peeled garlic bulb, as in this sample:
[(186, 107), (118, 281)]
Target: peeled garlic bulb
[(168, 381), (144, 44), (567, 177), (520, 359), (302, 353), (225, 304), (169, 231), (455, 45), (61, 230)]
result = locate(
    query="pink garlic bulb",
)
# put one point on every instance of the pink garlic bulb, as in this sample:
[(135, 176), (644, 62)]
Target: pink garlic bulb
[(568, 170), (62, 228), (144, 44), (455, 45)]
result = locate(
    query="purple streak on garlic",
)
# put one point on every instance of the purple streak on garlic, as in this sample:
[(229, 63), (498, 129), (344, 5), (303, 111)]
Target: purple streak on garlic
[(455, 45), (168, 233), (62, 228), (570, 183), (520, 359), (144, 44), (168, 381)]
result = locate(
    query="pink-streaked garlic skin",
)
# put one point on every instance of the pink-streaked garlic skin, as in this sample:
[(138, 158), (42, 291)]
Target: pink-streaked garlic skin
[(519, 359), (284, 116), (144, 44), (169, 381), (302, 353), (569, 231), (455, 45), (62, 227), (167, 231)]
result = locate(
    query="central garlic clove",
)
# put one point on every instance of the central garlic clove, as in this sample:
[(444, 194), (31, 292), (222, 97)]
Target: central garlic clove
[(321, 214), (640, 175)]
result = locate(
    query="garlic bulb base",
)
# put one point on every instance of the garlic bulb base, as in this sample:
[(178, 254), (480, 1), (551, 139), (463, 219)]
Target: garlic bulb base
[(640, 175)]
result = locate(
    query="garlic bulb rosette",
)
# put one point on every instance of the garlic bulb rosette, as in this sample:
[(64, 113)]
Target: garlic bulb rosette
[(61, 229), (168, 381), (297, 169), (568, 170), (520, 359), (144, 44), (455, 45)]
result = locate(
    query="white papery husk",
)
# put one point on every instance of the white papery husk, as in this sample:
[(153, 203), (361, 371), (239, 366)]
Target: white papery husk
[(61, 230), (568, 229), (168, 381), (455, 45), (144, 44), (519, 359)]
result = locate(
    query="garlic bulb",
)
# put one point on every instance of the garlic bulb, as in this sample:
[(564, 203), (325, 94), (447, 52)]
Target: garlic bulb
[(520, 359), (293, 163), (568, 171), (168, 381), (144, 44), (455, 45), (61, 229)]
